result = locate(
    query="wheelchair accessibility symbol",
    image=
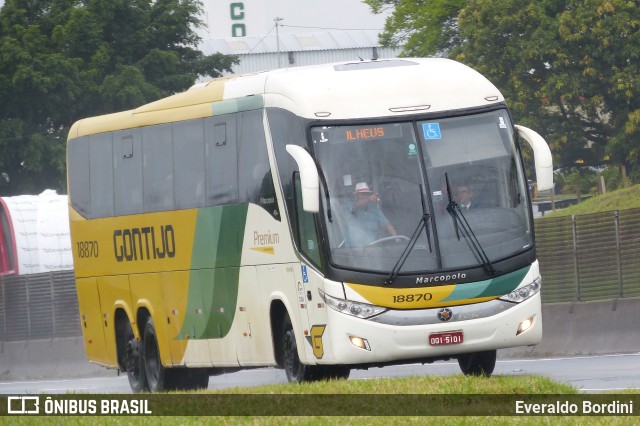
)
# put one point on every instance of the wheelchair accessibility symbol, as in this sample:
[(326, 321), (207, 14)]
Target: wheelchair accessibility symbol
[(431, 130)]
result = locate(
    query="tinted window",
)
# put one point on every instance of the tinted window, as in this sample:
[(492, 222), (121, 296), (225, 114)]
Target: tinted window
[(158, 168), (127, 159), (188, 163), (221, 160), (79, 189), (256, 183), (101, 166), (286, 128)]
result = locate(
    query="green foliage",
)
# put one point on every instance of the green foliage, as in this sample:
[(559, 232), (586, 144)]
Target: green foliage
[(423, 28), (621, 199), (61, 60), (569, 68)]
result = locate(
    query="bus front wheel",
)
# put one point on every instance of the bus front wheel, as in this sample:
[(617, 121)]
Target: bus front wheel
[(478, 363), (296, 371)]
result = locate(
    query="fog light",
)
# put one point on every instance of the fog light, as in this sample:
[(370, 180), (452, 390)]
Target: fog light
[(525, 325), (360, 342)]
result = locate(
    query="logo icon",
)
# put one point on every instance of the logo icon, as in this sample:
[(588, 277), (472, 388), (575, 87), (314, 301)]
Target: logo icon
[(23, 405), (445, 314), (431, 131)]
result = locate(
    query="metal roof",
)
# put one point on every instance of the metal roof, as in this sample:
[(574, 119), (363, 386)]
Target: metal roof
[(289, 42)]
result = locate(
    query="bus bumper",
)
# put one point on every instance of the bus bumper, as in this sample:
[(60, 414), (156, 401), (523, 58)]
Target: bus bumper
[(351, 340)]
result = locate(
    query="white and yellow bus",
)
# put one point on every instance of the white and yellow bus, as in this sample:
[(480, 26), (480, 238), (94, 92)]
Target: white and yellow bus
[(222, 228)]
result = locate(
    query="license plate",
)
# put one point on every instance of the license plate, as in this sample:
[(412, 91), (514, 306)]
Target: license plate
[(446, 338)]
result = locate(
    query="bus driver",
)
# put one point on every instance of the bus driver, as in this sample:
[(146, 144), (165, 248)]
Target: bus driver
[(364, 218)]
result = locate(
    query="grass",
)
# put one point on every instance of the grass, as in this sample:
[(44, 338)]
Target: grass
[(621, 199), (388, 398)]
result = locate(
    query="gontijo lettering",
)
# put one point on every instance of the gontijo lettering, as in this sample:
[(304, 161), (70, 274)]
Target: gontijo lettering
[(144, 243)]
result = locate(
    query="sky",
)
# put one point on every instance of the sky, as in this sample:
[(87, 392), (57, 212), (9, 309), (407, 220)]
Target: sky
[(298, 16), (256, 17)]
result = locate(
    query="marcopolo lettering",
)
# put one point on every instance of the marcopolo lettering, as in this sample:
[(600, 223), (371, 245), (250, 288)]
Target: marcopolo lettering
[(144, 243), (441, 278)]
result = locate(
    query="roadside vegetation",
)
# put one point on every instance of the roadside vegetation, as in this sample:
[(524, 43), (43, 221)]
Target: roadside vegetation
[(620, 199)]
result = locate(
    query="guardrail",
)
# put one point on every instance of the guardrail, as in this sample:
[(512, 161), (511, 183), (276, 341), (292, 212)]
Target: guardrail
[(38, 306), (589, 257)]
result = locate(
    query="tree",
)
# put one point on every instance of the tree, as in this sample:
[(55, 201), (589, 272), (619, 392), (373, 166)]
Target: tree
[(423, 28), (568, 68), (61, 60)]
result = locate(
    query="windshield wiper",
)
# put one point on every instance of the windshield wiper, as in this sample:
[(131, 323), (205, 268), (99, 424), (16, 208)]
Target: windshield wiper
[(323, 180), (463, 227), (412, 242)]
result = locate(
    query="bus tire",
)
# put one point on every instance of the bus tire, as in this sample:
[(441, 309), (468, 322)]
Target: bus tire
[(335, 372), (295, 370), (191, 379), (156, 373), (135, 366), (478, 363)]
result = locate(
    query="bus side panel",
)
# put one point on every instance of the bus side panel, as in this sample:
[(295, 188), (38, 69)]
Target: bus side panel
[(113, 291), (146, 293), (255, 344), (223, 328), (190, 293), (91, 320)]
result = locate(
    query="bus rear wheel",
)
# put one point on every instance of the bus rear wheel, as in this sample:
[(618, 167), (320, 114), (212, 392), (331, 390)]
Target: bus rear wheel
[(187, 379), (155, 371), (478, 363), (135, 366)]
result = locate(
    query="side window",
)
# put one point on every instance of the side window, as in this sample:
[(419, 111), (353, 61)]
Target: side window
[(157, 149), (188, 162), (101, 180), (307, 234), (256, 182), (221, 160), (286, 128), (78, 160), (127, 162)]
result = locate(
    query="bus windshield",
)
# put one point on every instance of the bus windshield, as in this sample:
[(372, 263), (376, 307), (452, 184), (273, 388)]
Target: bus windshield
[(383, 180)]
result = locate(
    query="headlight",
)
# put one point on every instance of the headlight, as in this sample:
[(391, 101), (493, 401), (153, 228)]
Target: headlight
[(356, 309), (521, 294)]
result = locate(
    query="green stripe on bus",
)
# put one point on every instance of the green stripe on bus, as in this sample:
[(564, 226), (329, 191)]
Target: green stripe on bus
[(230, 106), (500, 286), (214, 279)]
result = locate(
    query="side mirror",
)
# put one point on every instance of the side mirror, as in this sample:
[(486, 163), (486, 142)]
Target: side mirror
[(542, 157), (309, 179)]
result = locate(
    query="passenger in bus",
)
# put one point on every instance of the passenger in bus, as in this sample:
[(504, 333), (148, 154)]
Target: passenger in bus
[(365, 221)]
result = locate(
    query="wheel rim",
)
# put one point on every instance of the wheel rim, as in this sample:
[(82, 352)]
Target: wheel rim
[(133, 360)]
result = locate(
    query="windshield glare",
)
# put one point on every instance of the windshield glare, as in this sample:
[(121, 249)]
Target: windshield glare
[(379, 177)]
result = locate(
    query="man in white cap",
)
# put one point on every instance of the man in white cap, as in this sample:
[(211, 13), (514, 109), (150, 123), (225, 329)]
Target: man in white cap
[(365, 220)]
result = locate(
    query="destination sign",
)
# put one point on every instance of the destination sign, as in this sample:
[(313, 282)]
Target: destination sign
[(350, 134)]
